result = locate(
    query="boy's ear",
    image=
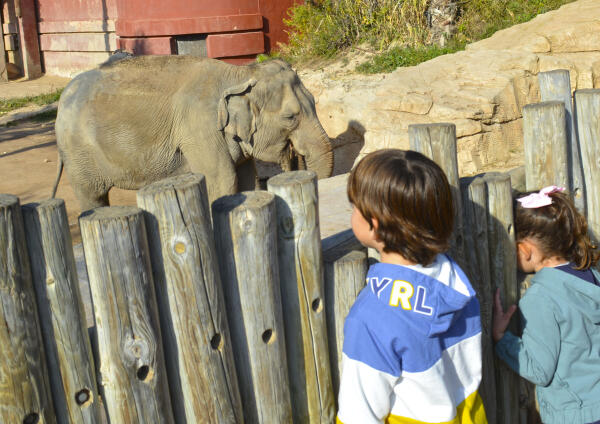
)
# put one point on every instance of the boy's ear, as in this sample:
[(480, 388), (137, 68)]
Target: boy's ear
[(375, 224)]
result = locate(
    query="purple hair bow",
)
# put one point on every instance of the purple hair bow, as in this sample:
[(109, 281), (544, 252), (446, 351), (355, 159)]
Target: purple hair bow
[(542, 198)]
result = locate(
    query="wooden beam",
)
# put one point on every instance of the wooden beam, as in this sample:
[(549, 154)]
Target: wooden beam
[(28, 39), (3, 71)]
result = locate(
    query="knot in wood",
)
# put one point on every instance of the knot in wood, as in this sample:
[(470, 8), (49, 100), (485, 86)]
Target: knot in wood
[(286, 226), (180, 247), (136, 348)]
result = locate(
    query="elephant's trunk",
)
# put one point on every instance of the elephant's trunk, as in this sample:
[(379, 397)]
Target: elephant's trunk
[(313, 143)]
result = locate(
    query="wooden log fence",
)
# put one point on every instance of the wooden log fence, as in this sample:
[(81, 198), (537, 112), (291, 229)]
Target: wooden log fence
[(195, 332), (132, 376), (24, 381), (66, 341), (248, 309), (301, 275), (246, 238)]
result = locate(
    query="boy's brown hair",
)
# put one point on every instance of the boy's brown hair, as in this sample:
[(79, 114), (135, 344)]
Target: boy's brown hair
[(409, 196)]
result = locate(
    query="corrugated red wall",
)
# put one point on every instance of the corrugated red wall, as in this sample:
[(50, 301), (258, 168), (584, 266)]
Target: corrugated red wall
[(78, 34)]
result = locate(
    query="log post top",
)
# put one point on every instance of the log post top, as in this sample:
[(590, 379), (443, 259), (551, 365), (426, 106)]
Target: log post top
[(542, 105), (109, 213), (292, 178), (246, 200), (45, 204), (432, 125), (555, 71), (182, 181), (7, 200), (589, 91)]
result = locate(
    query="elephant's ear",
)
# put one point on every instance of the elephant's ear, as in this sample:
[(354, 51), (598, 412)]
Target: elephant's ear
[(235, 114)]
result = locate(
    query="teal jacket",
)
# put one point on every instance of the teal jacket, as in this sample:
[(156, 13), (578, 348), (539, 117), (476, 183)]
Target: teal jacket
[(560, 347)]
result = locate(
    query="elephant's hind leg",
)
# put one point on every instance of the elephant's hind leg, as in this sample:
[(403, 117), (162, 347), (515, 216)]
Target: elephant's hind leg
[(90, 193), (90, 199)]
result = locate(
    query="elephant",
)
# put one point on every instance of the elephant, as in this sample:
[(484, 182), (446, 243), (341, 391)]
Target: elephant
[(136, 120)]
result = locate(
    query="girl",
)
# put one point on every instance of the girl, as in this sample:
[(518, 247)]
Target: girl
[(559, 350)]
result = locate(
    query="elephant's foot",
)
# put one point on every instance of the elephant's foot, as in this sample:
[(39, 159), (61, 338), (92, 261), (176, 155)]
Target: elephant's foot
[(89, 200)]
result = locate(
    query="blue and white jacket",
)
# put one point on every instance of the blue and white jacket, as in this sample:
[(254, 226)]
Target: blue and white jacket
[(412, 348)]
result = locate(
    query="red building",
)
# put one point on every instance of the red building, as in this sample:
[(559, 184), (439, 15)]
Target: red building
[(65, 37)]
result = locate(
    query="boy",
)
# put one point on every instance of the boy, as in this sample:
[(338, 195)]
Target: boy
[(412, 340)]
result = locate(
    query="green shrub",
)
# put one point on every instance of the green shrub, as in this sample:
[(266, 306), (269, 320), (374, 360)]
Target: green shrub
[(409, 56), (323, 28)]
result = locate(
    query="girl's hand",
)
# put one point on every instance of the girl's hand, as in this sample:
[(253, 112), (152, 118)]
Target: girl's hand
[(501, 319)]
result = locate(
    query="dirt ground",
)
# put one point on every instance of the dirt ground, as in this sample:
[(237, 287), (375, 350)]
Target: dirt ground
[(28, 158)]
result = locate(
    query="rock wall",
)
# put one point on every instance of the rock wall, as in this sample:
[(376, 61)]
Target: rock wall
[(482, 90)]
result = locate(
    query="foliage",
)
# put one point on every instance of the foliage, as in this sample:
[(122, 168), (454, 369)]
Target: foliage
[(396, 29), (407, 56), (481, 18), (324, 28), (9, 105)]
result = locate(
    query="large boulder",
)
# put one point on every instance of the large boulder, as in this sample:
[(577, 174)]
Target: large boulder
[(482, 90)]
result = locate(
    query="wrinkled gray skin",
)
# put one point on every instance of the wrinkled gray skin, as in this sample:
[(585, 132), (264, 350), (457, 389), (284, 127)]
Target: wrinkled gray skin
[(138, 120)]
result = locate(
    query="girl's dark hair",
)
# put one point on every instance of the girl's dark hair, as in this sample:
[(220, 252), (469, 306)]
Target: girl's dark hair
[(558, 229), (409, 195)]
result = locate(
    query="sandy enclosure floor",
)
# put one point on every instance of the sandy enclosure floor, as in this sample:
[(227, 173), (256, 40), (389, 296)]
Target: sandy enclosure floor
[(28, 158)]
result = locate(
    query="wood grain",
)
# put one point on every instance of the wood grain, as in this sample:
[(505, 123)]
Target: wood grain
[(301, 274), (556, 85), (545, 144), (24, 382), (64, 329), (245, 228), (438, 143), (588, 127), (132, 376), (475, 215), (346, 269), (196, 338)]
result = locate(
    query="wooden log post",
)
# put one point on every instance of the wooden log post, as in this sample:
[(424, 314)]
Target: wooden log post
[(301, 274), (132, 376), (3, 70), (556, 85), (503, 271), (346, 269), (62, 317), (196, 339), (245, 227), (475, 215), (588, 127), (438, 143), (24, 382), (545, 144)]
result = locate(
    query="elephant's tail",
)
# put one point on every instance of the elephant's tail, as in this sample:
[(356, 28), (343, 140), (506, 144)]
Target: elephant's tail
[(58, 175)]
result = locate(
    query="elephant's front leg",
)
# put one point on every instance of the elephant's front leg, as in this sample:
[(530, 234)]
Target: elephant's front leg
[(216, 166)]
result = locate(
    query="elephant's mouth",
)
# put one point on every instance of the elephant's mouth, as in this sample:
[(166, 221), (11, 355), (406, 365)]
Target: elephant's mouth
[(291, 160)]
